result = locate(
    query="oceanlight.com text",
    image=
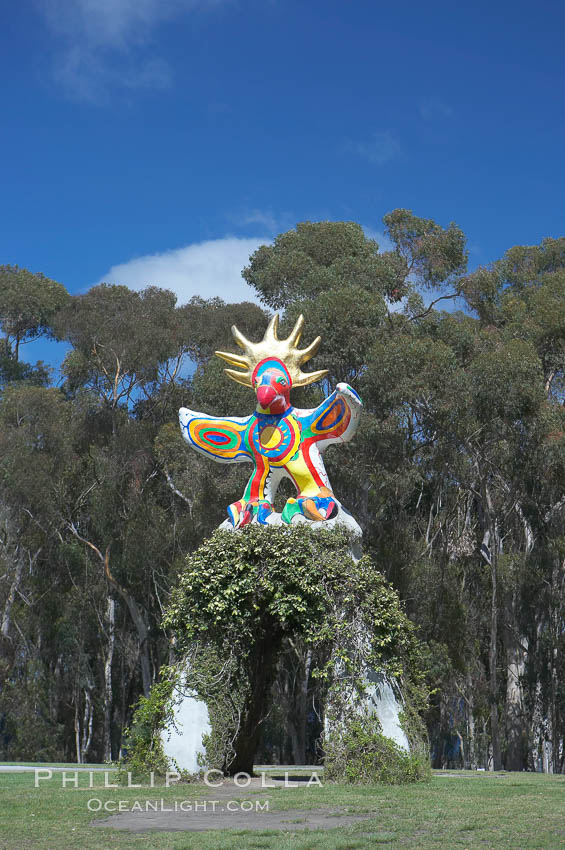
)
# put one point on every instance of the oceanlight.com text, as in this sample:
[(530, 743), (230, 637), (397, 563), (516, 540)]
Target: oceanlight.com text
[(195, 806)]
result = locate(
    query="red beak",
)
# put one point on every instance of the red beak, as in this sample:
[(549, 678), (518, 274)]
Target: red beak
[(266, 395)]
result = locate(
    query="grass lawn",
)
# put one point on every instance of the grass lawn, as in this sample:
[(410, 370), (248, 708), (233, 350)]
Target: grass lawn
[(459, 810)]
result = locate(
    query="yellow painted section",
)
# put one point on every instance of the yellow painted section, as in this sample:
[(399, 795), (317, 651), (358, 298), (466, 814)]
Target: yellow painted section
[(301, 474), (295, 445), (270, 436)]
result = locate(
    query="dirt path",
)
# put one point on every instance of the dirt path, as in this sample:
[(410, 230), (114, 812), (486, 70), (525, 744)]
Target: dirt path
[(200, 821), (225, 807)]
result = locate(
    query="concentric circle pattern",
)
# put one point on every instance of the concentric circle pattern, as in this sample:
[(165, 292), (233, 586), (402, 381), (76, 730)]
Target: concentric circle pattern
[(209, 436), (276, 440)]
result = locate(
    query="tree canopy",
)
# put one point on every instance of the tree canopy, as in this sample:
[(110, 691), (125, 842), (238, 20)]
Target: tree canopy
[(457, 476)]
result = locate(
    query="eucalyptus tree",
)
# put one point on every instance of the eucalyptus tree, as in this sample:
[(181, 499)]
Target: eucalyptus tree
[(125, 344), (521, 299), (28, 304), (46, 594), (479, 402)]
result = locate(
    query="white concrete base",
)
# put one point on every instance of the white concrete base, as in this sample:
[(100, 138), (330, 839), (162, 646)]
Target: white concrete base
[(191, 714), (183, 745), (381, 700)]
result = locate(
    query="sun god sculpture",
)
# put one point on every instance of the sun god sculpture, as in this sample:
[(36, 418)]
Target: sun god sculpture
[(279, 439)]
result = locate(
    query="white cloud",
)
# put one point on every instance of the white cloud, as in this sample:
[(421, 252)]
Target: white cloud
[(208, 269), (380, 148), (103, 44)]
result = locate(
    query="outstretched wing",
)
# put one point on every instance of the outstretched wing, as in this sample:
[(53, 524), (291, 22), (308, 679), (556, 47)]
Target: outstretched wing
[(335, 420), (221, 439)]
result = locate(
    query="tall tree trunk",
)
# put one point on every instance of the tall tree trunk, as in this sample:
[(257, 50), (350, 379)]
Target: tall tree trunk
[(7, 612), (490, 550), (77, 727), (87, 722), (556, 633), (108, 662), (536, 729), (515, 648), (137, 611), (472, 759), (493, 662), (139, 617), (17, 559)]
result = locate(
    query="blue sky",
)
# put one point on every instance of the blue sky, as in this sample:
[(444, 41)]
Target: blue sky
[(159, 141)]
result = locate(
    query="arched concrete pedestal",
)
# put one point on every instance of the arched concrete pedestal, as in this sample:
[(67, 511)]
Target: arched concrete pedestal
[(191, 714)]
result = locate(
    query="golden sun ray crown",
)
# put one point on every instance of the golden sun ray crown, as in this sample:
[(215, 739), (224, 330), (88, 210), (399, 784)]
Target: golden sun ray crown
[(271, 346)]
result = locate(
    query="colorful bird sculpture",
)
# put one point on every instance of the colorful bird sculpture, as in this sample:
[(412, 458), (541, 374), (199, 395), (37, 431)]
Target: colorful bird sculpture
[(277, 438)]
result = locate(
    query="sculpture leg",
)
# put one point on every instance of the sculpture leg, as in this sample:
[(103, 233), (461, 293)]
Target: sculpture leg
[(259, 509), (235, 511), (253, 503), (316, 508), (315, 500)]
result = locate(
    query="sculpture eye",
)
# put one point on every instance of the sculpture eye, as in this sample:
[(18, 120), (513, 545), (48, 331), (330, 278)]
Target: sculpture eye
[(281, 381)]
